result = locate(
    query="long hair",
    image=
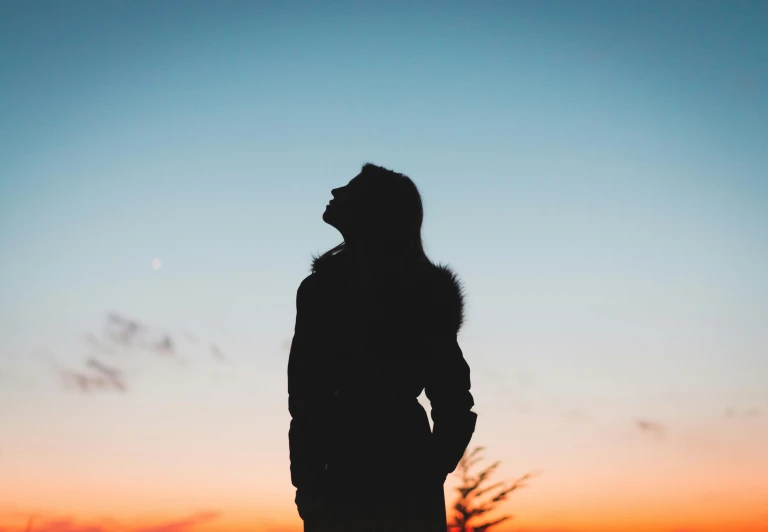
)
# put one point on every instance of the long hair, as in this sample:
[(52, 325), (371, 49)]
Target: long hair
[(398, 206)]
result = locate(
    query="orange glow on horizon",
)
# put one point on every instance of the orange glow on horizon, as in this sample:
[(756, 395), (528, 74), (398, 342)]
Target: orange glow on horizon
[(746, 515)]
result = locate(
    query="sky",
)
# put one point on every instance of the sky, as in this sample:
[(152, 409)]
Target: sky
[(595, 172)]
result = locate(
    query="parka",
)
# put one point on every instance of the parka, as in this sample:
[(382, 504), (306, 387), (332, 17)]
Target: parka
[(361, 449)]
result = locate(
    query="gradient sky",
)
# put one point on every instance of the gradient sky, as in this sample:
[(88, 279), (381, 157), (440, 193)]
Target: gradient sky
[(596, 172)]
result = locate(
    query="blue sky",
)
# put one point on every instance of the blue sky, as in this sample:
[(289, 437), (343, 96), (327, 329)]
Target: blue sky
[(597, 173)]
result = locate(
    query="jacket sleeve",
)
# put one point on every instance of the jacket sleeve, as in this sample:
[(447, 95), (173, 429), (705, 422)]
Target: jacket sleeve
[(305, 436), (448, 390)]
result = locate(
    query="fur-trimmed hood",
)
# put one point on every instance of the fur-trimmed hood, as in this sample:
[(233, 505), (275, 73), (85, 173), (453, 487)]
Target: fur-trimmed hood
[(449, 292), (443, 287)]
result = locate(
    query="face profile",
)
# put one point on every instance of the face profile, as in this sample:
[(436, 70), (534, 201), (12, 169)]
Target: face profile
[(342, 212), (379, 215)]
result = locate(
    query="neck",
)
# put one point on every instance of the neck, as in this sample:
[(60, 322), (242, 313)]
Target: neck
[(362, 257), (367, 256)]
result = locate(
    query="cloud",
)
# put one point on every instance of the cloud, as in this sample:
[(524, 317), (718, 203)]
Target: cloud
[(87, 383), (736, 413), (98, 344), (63, 525), (103, 377), (113, 375), (182, 524), (68, 524), (654, 428), (123, 335), (218, 354), (528, 529), (165, 346), (122, 330), (130, 333)]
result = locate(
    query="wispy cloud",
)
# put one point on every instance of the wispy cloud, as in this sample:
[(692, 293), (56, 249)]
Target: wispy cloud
[(182, 524), (218, 354), (740, 413), (653, 428), (68, 524), (122, 335), (113, 375), (89, 383), (122, 330), (165, 346), (131, 334), (98, 345), (528, 529), (63, 525)]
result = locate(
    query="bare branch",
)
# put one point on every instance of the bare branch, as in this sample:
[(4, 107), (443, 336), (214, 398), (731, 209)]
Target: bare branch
[(469, 505)]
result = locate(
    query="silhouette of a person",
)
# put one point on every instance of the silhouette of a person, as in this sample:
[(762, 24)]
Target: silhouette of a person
[(377, 324)]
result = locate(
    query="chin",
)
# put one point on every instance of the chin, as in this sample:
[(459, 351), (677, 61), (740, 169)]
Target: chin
[(330, 218)]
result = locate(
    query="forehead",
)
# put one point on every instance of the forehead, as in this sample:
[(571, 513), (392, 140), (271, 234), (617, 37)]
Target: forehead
[(356, 181), (365, 183)]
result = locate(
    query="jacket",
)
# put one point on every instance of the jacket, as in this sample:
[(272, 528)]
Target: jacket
[(359, 359)]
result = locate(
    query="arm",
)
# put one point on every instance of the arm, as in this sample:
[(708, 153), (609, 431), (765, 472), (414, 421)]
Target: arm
[(448, 390), (307, 455)]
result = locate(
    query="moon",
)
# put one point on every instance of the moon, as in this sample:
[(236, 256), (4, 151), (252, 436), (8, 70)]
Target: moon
[(157, 264)]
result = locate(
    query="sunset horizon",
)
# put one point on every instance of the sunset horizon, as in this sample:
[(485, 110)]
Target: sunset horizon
[(595, 173)]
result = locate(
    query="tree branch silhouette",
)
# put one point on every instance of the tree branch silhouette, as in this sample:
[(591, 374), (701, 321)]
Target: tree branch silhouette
[(469, 507)]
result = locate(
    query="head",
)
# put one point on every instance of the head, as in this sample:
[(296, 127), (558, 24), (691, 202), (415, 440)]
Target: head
[(378, 210)]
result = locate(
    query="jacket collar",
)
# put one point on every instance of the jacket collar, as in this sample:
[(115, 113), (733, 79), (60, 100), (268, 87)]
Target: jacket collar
[(442, 282)]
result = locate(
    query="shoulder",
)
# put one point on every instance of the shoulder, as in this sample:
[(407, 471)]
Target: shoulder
[(308, 288), (445, 294), (317, 285)]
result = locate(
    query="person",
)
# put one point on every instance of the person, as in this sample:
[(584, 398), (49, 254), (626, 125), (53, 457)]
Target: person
[(376, 324)]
